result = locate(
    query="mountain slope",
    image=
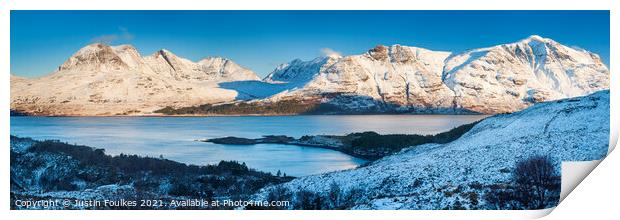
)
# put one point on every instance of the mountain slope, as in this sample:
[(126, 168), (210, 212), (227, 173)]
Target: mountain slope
[(108, 80), (298, 71), (212, 68), (459, 174), (398, 76), (499, 79), (510, 77)]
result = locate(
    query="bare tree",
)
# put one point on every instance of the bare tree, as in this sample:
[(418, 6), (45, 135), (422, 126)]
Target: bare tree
[(535, 178)]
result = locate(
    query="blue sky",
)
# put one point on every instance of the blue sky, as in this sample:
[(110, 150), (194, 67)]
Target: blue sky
[(260, 40)]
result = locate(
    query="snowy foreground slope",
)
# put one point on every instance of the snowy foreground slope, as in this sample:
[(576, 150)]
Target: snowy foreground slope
[(435, 176)]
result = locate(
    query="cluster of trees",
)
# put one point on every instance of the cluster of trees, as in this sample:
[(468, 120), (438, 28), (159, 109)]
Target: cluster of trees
[(18, 113), (147, 174), (129, 164), (284, 107), (535, 184), (334, 199), (372, 139), (372, 145)]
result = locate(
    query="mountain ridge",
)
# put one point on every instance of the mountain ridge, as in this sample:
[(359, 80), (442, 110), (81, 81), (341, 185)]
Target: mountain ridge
[(116, 80), (497, 79), (385, 79)]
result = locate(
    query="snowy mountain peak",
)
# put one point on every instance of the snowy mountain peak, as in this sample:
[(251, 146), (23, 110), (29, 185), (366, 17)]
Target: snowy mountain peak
[(106, 80), (212, 59), (498, 79), (165, 61), (405, 54), (378, 79), (95, 57), (225, 69), (164, 53), (333, 56), (125, 47), (536, 38), (512, 76), (92, 48), (299, 71)]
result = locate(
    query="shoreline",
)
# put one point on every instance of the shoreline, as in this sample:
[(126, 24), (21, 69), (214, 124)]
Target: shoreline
[(367, 145), (238, 115), (294, 142)]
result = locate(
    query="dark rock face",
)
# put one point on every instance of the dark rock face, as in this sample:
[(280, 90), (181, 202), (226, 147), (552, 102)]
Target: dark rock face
[(380, 52), (94, 56), (400, 54)]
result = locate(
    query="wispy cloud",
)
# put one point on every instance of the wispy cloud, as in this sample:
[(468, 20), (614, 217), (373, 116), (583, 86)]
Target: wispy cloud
[(578, 48), (330, 52), (122, 35)]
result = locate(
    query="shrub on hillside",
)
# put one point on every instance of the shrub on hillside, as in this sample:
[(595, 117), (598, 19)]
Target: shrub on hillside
[(535, 184)]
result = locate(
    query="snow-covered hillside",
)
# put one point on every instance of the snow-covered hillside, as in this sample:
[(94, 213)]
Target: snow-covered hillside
[(499, 79), (436, 176), (108, 80)]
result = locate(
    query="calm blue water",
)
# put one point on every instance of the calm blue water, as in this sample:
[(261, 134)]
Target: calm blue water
[(173, 137)]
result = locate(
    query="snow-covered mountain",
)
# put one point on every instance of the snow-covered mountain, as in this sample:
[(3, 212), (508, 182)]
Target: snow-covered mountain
[(298, 71), (210, 69), (108, 80), (499, 79), (398, 76), (459, 174), (510, 77)]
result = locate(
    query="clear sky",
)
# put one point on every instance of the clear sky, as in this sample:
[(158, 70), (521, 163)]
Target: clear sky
[(260, 40)]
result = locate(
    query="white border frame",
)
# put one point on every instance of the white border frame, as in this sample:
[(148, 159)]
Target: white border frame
[(573, 206)]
